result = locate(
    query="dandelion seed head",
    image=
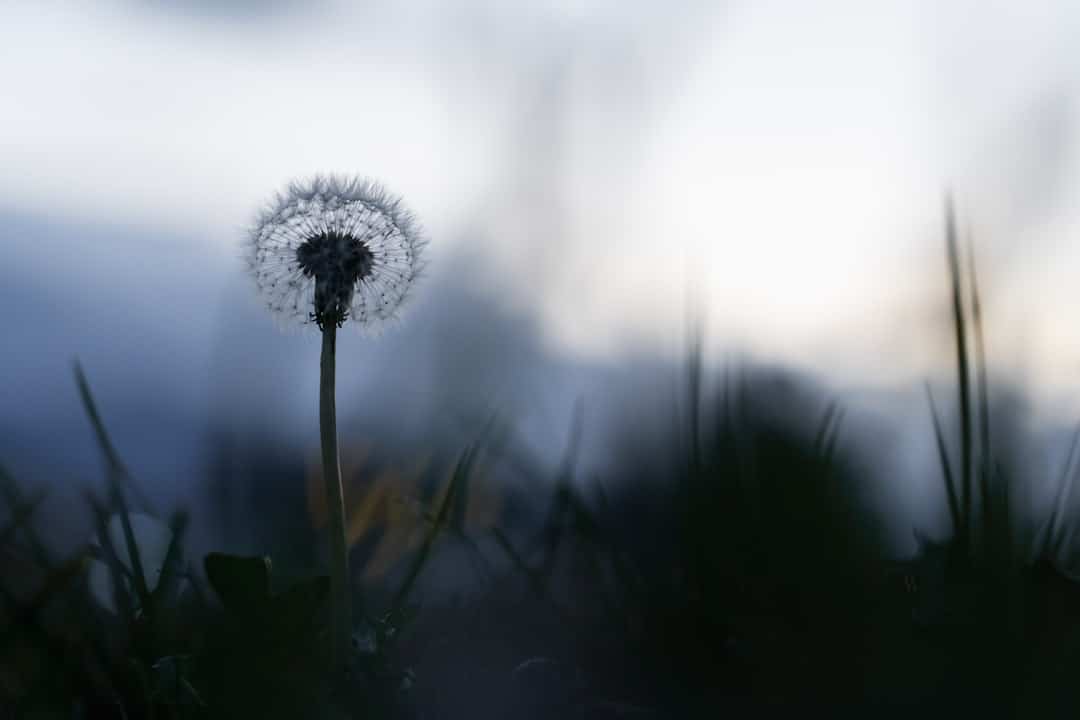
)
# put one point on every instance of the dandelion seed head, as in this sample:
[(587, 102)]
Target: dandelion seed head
[(332, 249)]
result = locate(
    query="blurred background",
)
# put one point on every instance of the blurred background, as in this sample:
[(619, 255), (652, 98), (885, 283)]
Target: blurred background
[(606, 187), (591, 175)]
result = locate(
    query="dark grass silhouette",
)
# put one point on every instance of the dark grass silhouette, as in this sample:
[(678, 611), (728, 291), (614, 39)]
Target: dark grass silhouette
[(727, 564)]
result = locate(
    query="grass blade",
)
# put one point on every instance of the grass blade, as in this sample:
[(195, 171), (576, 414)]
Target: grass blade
[(15, 498), (119, 574), (946, 466), (828, 431), (694, 372), (963, 371), (1052, 538), (171, 568), (560, 505), (457, 481), (116, 473), (536, 579), (983, 386)]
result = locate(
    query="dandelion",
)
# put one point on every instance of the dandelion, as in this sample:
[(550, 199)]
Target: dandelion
[(332, 250)]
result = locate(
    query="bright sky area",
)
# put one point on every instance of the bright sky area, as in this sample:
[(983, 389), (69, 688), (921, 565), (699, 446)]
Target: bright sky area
[(783, 162)]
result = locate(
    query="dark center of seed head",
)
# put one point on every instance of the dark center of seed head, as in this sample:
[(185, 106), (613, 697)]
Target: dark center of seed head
[(337, 261)]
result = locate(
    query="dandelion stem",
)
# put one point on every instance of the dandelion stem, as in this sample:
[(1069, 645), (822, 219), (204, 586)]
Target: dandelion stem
[(340, 604)]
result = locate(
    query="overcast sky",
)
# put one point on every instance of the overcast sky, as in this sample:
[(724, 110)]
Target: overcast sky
[(783, 162)]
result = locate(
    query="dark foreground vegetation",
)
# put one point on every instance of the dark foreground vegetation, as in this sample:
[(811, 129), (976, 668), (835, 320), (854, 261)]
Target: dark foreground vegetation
[(727, 567)]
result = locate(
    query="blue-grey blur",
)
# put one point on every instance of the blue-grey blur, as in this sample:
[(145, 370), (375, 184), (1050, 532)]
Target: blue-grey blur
[(664, 237)]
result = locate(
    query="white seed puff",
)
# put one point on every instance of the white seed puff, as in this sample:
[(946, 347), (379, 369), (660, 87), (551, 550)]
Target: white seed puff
[(332, 249)]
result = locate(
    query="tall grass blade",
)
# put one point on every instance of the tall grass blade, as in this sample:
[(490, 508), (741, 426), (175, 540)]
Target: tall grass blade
[(1052, 536), (108, 450), (116, 473), (495, 430), (962, 368), (536, 580), (172, 567), (823, 428), (119, 574), (985, 451), (827, 434), (946, 465), (14, 496), (464, 538), (694, 371), (457, 481), (562, 500)]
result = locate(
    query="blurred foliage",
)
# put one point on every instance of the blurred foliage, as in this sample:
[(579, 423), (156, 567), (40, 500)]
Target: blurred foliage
[(727, 564)]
